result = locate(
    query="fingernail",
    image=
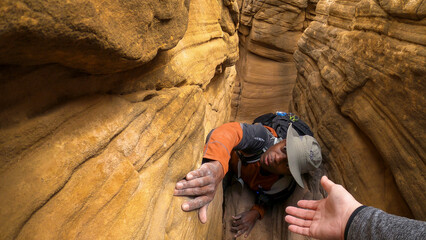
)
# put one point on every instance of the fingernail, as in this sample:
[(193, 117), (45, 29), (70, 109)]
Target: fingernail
[(189, 176), (179, 185), (185, 206)]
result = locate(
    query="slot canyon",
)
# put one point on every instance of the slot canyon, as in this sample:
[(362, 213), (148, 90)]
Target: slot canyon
[(105, 105)]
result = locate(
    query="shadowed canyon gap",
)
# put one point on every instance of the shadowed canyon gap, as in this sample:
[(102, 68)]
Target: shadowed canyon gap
[(105, 105)]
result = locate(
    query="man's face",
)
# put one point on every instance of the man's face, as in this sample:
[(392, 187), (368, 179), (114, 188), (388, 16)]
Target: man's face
[(275, 160)]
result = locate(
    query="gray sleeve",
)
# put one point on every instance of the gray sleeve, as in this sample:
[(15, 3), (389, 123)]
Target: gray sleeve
[(372, 223)]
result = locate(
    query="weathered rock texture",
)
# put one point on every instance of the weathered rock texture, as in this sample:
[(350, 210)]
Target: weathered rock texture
[(361, 85), (269, 31), (361, 68), (266, 74), (88, 156), (92, 35)]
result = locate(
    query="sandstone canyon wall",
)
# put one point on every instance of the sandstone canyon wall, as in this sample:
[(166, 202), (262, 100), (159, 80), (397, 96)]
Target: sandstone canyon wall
[(361, 85), (266, 74), (361, 71), (268, 32), (104, 106)]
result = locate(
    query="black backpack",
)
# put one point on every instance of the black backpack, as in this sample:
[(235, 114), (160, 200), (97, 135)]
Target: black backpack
[(280, 121)]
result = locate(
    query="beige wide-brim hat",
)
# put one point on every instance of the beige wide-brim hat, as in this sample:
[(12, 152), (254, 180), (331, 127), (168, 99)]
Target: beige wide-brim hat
[(303, 154)]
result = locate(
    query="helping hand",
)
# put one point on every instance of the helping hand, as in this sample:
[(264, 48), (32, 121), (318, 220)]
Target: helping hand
[(201, 183), (244, 222), (325, 218)]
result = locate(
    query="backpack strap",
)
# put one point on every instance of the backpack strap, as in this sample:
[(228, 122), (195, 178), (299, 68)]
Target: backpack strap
[(252, 159), (280, 185), (240, 180), (279, 197)]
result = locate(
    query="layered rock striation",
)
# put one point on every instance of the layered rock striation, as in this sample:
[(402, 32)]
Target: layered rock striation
[(104, 107), (361, 85), (95, 36), (360, 68), (266, 74), (268, 32)]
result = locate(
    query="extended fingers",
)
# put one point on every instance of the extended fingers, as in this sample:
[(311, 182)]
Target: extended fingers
[(201, 172), (309, 204), (213, 169), (196, 191), (240, 232), (237, 228), (300, 213), (202, 214), (248, 231), (327, 184), (196, 203), (299, 230), (197, 182), (237, 222), (298, 222)]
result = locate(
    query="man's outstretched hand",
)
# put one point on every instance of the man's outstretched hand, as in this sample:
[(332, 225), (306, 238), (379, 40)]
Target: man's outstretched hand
[(201, 184), (325, 218)]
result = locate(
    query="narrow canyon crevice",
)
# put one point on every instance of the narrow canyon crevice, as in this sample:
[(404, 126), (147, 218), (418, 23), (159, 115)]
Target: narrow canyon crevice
[(105, 105)]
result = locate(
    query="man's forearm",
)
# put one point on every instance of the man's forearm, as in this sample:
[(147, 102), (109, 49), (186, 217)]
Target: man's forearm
[(372, 223), (259, 209)]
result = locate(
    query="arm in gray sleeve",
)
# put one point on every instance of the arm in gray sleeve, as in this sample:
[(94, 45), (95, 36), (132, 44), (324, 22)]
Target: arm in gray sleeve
[(372, 223)]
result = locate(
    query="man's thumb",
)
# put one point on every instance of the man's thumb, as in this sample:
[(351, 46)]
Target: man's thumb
[(327, 184), (202, 213)]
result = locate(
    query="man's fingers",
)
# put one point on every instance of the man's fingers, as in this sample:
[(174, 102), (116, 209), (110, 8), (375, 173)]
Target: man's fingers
[(236, 217), (237, 228), (300, 213), (309, 204), (239, 233), (198, 182), (236, 222), (198, 191), (202, 214), (206, 169), (196, 203), (249, 230), (299, 230), (297, 221), (201, 172), (327, 184)]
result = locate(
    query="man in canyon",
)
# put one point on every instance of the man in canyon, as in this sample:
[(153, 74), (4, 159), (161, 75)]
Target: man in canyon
[(268, 164)]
